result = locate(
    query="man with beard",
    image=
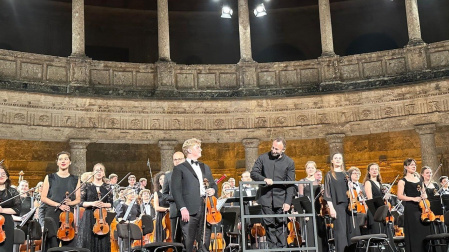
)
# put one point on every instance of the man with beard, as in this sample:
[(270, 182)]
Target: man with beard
[(275, 199)]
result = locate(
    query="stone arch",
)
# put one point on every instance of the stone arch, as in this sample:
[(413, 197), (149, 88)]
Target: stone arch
[(278, 53), (371, 42)]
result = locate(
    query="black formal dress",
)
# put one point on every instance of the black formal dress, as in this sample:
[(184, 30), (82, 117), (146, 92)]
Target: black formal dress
[(335, 191), (8, 226), (306, 226), (58, 187), (160, 233), (273, 197), (186, 190), (415, 230), (86, 237), (374, 227)]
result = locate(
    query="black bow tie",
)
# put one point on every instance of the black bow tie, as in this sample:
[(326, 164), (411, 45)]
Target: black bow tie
[(194, 162)]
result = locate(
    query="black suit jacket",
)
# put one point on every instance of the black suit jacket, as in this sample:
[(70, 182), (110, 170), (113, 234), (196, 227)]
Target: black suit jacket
[(185, 186), (277, 169), (168, 197)]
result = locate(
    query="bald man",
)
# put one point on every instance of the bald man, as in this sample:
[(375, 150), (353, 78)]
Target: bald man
[(176, 234)]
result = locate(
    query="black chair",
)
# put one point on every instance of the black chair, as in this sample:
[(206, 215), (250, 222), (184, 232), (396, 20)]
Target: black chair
[(439, 239), (49, 237), (128, 232), (364, 242), (147, 227), (19, 239)]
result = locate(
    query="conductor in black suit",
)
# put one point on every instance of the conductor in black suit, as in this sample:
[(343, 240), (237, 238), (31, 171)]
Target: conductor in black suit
[(275, 199), (175, 221), (189, 192)]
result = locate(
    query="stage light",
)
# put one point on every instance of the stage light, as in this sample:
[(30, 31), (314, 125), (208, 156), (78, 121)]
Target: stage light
[(226, 12), (260, 10)]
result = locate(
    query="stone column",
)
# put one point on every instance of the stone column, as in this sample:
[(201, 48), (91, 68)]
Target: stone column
[(413, 26), (78, 155), (244, 32), (335, 143), (78, 34), (327, 43), (428, 147), (163, 30), (167, 151), (251, 152)]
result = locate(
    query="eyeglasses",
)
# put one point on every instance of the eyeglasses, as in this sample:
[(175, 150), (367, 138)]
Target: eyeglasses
[(3, 174), (178, 159)]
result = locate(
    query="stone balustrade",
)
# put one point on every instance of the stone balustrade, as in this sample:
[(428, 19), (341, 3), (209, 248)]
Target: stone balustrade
[(43, 73)]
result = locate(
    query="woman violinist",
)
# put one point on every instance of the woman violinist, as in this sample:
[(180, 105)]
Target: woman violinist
[(335, 188), (161, 207), (373, 189), (411, 193), (6, 210), (91, 193), (54, 191)]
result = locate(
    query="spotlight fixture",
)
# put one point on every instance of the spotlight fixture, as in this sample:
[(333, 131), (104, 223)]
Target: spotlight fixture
[(260, 10), (226, 12)]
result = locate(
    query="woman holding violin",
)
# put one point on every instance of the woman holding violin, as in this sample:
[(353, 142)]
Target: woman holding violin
[(161, 208), (410, 191), (93, 229), (54, 191), (8, 209), (335, 188), (373, 183)]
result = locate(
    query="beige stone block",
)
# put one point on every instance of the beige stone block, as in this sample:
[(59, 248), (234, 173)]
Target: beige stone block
[(100, 77), (7, 68), (206, 80), (228, 80), (185, 81), (56, 73), (372, 69), (439, 59), (309, 76), (288, 78), (396, 66), (267, 79), (31, 71), (123, 78), (145, 80), (350, 72)]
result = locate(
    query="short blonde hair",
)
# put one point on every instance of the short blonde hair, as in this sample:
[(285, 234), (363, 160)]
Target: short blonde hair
[(189, 143), (144, 191)]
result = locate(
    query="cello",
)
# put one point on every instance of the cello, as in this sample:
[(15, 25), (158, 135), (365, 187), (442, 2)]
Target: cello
[(66, 231)]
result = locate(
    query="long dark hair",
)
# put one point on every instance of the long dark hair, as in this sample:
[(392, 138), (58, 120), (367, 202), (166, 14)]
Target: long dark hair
[(8, 181), (157, 186), (407, 162), (368, 176)]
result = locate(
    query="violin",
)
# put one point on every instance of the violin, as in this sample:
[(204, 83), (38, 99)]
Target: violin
[(2, 232), (355, 204), (101, 226), (66, 231), (294, 237), (427, 215), (213, 216), (112, 236), (257, 231), (398, 231)]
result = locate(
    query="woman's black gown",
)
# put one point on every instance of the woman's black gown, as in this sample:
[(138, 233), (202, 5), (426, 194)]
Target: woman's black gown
[(160, 233), (374, 227), (86, 237), (415, 230), (8, 226)]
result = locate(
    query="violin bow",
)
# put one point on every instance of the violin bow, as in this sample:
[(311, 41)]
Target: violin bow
[(112, 189), (390, 187), (433, 175), (151, 173)]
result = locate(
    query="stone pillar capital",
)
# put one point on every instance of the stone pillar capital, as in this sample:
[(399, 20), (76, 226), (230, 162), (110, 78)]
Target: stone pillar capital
[(167, 144), (335, 138), (424, 129), (251, 142), (79, 143)]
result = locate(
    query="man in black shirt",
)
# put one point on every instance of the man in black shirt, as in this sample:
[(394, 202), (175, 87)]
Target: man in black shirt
[(275, 199)]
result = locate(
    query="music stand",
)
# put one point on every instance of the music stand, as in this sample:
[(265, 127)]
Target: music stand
[(302, 205), (374, 204), (445, 201), (436, 207), (110, 217)]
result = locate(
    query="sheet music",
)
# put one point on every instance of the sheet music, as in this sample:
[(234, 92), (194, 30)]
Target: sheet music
[(220, 203)]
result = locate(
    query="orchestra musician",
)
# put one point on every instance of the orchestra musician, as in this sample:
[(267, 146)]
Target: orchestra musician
[(146, 206), (411, 192), (275, 199), (335, 188), (430, 186), (444, 183), (130, 196), (187, 187), (54, 191), (11, 207), (160, 206), (25, 199), (304, 190), (91, 193), (357, 188), (175, 220), (373, 189)]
